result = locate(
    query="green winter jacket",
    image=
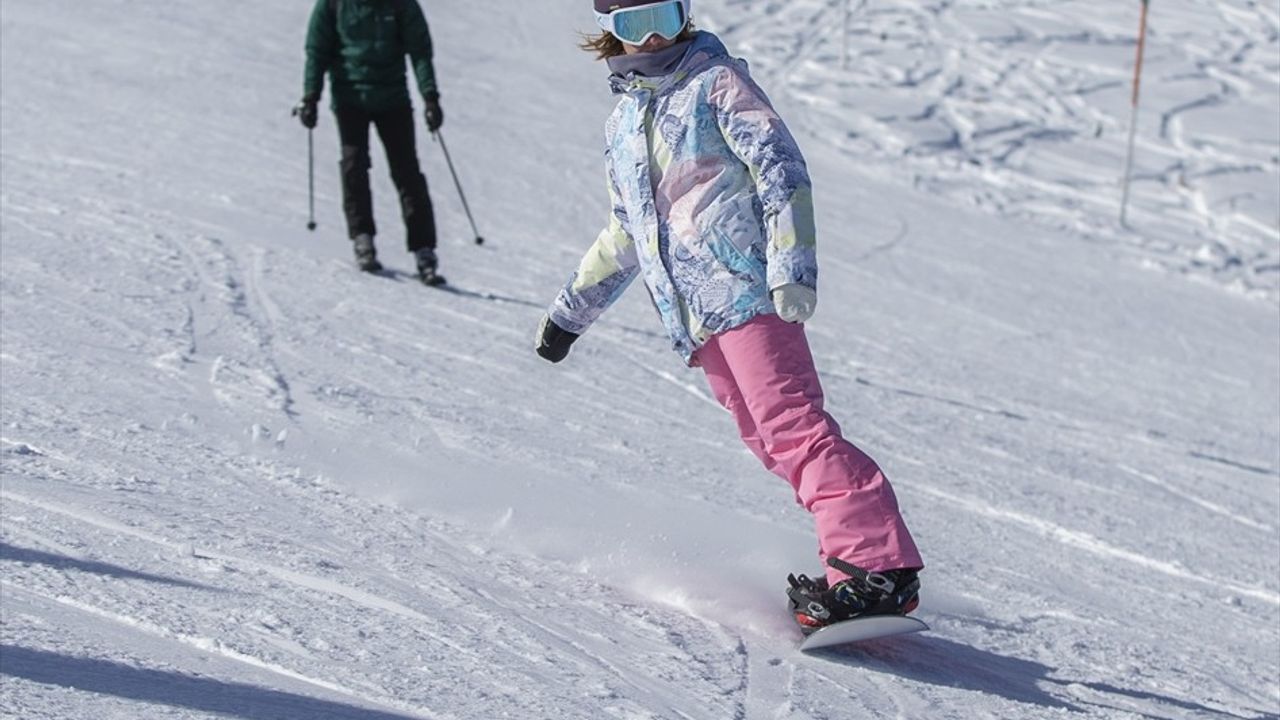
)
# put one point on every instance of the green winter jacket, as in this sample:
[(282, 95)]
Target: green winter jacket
[(361, 44)]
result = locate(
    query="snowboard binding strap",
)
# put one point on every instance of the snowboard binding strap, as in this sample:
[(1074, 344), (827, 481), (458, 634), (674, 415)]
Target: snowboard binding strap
[(871, 579)]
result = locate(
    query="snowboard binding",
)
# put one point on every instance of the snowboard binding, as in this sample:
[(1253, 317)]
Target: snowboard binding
[(815, 604)]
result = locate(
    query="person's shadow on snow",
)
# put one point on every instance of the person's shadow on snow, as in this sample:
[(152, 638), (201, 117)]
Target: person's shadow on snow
[(28, 556), (402, 276), (938, 661), (237, 700)]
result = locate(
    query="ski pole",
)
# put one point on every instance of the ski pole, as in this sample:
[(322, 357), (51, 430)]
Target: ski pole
[(440, 138), (311, 180), (311, 173), (1133, 117)]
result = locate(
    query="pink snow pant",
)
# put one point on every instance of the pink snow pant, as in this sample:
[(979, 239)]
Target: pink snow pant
[(763, 373)]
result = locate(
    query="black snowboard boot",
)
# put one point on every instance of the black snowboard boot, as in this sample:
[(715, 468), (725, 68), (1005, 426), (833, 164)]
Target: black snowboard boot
[(816, 605), (366, 255), (428, 267)]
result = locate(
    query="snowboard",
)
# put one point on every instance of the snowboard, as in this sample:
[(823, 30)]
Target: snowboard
[(859, 629)]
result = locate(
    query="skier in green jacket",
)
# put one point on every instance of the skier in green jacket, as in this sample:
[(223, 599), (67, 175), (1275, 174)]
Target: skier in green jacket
[(361, 45)]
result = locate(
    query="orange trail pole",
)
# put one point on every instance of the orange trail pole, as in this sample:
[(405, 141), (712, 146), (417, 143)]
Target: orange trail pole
[(1133, 119)]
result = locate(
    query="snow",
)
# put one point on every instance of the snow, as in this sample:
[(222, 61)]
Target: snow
[(242, 480)]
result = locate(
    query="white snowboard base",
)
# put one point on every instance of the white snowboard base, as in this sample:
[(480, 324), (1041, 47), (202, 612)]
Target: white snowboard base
[(859, 629)]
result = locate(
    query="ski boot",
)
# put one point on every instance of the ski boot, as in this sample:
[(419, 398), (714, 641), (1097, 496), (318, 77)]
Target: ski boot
[(428, 267), (815, 605), (366, 255)]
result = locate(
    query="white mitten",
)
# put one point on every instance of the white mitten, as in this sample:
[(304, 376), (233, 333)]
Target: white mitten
[(795, 303)]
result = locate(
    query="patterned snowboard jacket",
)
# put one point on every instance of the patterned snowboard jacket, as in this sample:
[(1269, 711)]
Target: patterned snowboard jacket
[(711, 202)]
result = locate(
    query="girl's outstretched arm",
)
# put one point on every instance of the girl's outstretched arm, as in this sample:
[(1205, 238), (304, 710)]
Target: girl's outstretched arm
[(604, 273), (757, 135)]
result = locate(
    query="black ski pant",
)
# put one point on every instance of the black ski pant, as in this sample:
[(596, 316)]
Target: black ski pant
[(396, 129)]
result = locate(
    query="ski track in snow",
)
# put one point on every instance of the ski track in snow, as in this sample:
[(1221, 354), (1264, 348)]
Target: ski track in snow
[(242, 480), (1022, 109)]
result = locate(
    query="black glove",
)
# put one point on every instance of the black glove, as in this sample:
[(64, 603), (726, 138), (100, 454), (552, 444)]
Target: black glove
[(306, 112), (553, 341), (433, 113)]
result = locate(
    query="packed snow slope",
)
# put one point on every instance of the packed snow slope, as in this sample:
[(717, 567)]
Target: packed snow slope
[(242, 480)]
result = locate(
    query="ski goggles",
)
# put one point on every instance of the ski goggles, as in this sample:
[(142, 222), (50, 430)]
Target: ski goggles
[(636, 25)]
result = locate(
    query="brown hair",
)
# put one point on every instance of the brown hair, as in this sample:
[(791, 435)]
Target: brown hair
[(605, 45)]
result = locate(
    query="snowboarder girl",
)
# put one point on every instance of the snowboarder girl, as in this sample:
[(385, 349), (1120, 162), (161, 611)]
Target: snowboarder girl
[(711, 205)]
